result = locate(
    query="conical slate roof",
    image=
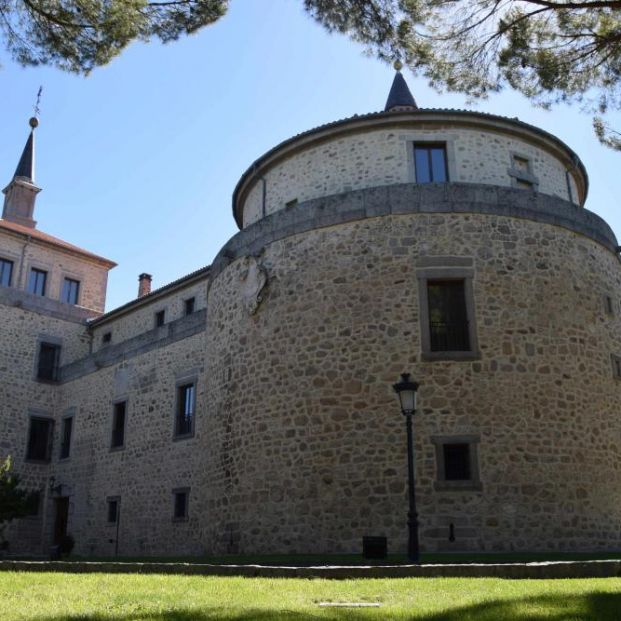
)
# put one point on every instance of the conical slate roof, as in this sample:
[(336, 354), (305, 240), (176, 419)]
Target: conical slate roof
[(25, 168), (399, 96)]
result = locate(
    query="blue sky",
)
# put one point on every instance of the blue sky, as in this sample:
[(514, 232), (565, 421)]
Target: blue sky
[(138, 161)]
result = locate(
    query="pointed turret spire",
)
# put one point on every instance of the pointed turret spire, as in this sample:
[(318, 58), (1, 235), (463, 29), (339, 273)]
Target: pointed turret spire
[(21, 193), (400, 97)]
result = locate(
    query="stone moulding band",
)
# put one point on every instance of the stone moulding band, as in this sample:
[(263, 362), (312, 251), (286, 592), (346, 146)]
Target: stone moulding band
[(410, 198)]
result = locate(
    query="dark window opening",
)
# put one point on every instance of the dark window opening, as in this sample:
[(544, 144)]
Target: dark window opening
[(33, 502), (49, 357), (65, 434), (113, 510), (6, 272), (107, 337), (181, 505), (40, 439), (160, 317), (189, 306), (430, 163), (118, 424), (186, 398), (71, 291), (37, 281), (456, 462), (616, 366), (609, 305), (448, 317)]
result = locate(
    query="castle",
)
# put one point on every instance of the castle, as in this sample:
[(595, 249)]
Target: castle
[(248, 407)]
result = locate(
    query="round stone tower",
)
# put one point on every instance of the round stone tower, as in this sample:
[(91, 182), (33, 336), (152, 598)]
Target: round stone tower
[(448, 244)]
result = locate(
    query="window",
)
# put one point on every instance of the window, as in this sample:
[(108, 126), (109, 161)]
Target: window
[(616, 366), (33, 503), (448, 318), (189, 306), (609, 305), (49, 358), (446, 308), (430, 163), (6, 272), (186, 403), (521, 173), (180, 508), (71, 290), (106, 338), (113, 509), (457, 462), (160, 317), (118, 425), (40, 439), (65, 437), (36, 282)]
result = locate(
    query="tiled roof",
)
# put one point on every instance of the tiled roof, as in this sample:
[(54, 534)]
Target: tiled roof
[(26, 231)]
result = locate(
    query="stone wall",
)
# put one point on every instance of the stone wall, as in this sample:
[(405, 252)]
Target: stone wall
[(141, 319), (379, 157), (306, 447), (21, 396), (93, 277)]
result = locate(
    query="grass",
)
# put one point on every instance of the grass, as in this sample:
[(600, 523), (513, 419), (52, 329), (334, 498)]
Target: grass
[(134, 597), (357, 559)]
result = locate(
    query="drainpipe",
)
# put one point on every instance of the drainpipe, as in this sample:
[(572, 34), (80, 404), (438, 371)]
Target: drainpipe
[(264, 195)]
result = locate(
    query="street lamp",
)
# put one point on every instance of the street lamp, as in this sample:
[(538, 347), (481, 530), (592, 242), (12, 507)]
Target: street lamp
[(406, 391)]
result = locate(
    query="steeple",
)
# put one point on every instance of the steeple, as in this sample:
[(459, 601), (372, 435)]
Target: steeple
[(399, 97), (21, 193)]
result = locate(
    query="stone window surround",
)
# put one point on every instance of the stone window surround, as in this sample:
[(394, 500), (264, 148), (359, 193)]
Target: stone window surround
[(519, 175), (181, 379), (447, 138), (68, 413), (609, 305), (34, 413), (44, 267), (446, 268), (472, 484), (110, 499), (52, 340), (118, 399), (186, 491), (73, 276)]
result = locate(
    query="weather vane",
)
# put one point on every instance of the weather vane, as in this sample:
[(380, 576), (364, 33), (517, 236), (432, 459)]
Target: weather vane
[(34, 121)]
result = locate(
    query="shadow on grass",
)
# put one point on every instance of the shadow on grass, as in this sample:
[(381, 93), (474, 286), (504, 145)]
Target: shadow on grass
[(598, 606)]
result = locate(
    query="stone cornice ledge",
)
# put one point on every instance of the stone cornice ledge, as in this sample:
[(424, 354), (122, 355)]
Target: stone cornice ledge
[(410, 198), (10, 296), (157, 338)]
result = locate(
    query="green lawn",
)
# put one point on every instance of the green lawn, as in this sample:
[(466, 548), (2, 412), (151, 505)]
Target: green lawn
[(125, 597)]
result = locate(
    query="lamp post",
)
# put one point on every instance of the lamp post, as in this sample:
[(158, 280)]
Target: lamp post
[(406, 391)]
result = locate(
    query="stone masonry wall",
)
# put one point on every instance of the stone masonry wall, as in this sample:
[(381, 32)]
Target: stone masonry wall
[(149, 466), (21, 395), (26, 255), (306, 445), (142, 319), (385, 157)]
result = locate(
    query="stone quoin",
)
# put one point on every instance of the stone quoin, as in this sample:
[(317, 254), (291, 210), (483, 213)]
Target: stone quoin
[(248, 407)]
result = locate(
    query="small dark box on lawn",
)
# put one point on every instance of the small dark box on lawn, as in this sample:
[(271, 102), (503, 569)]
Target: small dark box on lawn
[(374, 547)]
